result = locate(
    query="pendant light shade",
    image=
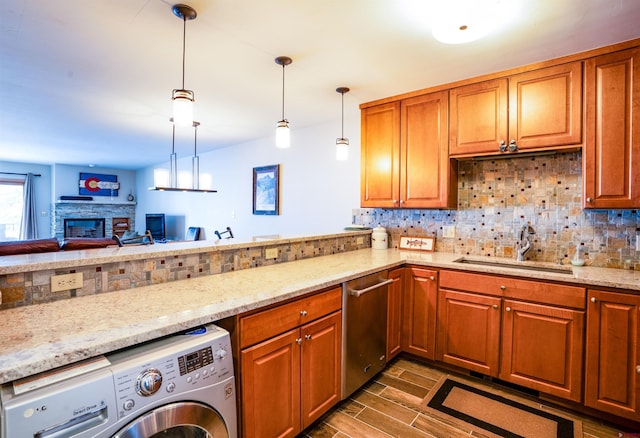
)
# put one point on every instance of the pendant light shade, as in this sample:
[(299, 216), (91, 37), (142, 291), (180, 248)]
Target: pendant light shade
[(283, 135), (342, 143), (182, 98)]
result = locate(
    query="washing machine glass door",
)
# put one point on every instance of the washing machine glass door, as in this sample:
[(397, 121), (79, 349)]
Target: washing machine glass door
[(177, 420)]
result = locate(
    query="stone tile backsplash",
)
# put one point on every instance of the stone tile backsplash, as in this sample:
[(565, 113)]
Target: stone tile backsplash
[(497, 197)]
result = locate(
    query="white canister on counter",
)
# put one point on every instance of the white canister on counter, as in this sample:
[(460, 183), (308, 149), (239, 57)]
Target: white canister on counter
[(379, 238)]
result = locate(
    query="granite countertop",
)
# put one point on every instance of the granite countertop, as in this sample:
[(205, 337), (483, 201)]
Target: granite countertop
[(45, 336)]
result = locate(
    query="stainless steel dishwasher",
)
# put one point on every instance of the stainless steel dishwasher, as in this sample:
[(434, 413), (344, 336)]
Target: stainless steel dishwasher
[(364, 329)]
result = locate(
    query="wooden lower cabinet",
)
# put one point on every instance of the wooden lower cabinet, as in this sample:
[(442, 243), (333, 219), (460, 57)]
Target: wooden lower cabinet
[(469, 331), (419, 302), (482, 328), (612, 357), (394, 312), (288, 380), (542, 348)]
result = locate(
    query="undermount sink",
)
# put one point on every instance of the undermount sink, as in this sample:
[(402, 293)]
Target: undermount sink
[(514, 266)]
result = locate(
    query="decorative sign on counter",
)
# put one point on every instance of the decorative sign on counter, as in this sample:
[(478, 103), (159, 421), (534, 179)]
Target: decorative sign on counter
[(418, 243)]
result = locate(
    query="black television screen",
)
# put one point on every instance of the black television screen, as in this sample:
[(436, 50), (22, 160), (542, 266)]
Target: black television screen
[(156, 225)]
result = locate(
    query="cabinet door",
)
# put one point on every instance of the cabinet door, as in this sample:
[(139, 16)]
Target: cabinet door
[(271, 387), (428, 178), (469, 331), (612, 360), (419, 310), (394, 312), (380, 156), (545, 107), (321, 381), (611, 160), (478, 118), (542, 348)]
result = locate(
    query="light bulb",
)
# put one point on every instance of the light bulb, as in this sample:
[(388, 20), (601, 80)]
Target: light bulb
[(283, 135), (342, 149)]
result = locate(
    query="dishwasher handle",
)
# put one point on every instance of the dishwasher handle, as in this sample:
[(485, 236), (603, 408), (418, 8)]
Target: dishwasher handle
[(358, 292)]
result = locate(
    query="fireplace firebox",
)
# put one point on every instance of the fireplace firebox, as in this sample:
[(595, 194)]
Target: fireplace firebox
[(82, 227)]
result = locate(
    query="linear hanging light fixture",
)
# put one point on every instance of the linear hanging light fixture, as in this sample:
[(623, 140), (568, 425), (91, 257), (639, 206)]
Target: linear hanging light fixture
[(182, 98), (342, 143), (161, 179), (283, 134)]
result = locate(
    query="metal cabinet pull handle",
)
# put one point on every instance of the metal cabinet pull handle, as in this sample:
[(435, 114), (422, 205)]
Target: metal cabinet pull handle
[(594, 300), (432, 278), (638, 369), (495, 306), (513, 146), (299, 341), (589, 200), (507, 309), (502, 147), (303, 313), (358, 292), (503, 287), (307, 337)]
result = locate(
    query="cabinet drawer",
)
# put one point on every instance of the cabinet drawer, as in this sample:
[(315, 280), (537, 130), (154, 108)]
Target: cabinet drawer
[(509, 287), (268, 323)]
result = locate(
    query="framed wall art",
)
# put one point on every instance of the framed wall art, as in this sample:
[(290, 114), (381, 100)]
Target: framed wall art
[(98, 185), (266, 190), (418, 243)]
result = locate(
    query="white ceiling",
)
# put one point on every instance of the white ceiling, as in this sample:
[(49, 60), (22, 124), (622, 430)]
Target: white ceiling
[(90, 81)]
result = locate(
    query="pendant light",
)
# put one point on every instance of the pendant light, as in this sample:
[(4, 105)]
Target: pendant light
[(283, 135), (173, 168), (342, 144), (183, 98)]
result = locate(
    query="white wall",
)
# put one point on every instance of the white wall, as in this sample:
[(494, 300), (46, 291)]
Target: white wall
[(43, 191), (317, 193), (66, 180)]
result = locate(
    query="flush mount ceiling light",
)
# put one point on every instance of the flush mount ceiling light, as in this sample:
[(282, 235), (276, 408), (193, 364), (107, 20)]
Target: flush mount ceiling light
[(183, 98), (283, 135), (463, 21), (342, 144), (164, 182)]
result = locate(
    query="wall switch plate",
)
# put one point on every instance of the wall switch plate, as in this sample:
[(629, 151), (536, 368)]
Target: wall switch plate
[(449, 231), (271, 253), (66, 282)]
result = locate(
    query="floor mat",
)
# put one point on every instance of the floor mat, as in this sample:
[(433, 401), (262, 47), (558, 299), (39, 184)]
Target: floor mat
[(497, 413)]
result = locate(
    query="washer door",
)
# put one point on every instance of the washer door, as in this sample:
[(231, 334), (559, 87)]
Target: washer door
[(177, 420)]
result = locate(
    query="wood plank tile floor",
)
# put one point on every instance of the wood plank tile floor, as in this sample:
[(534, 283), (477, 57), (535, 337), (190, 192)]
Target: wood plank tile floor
[(388, 406)]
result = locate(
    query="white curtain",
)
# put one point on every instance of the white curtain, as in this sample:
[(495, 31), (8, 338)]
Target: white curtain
[(28, 224)]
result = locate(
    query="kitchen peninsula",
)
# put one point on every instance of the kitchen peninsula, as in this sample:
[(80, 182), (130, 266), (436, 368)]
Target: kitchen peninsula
[(44, 336)]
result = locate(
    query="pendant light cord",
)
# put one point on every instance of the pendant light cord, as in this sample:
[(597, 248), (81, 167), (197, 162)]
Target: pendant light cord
[(184, 39), (342, 131), (282, 91)]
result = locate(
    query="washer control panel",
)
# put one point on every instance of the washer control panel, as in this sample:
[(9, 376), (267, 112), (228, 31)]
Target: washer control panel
[(162, 370)]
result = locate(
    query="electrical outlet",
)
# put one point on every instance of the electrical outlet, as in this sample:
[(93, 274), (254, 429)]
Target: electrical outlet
[(271, 253), (66, 282), (449, 231), (359, 240)]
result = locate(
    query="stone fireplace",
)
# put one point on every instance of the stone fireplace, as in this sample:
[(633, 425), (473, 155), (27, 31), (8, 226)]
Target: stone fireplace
[(89, 215)]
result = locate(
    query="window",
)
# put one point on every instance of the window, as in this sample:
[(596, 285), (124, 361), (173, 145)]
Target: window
[(11, 199)]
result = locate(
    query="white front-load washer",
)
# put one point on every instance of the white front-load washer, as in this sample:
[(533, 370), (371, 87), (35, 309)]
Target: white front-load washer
[(179, 386)]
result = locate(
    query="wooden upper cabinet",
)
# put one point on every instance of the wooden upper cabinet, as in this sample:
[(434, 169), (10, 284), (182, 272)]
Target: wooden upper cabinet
[(404, 158), (479, 117), (380, 156), (611, 160), (540, 109), (428, 178)]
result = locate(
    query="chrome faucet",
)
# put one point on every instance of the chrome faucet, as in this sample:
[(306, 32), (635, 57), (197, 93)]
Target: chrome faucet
[(524, 243)]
